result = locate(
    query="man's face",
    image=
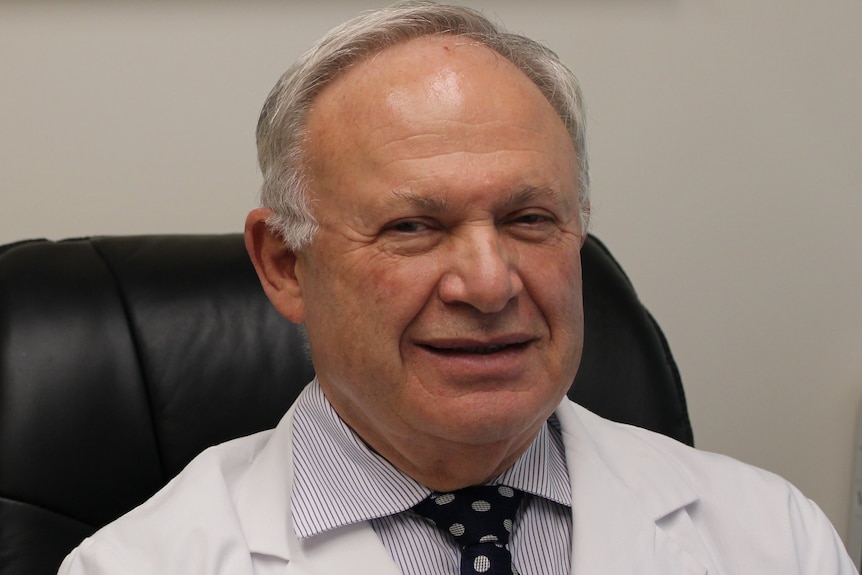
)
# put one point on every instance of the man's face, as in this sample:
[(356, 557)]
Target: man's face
[(442, 294)]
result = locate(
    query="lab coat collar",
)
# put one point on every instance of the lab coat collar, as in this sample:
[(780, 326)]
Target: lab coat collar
[(628, 503), (629, 500), (263, 498), (263, 509)]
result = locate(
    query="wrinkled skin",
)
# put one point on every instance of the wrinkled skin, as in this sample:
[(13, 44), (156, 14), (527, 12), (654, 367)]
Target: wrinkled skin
[(442, 294)]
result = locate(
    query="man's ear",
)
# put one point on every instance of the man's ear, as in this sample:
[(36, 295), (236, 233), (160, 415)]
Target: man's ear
[(276, 266), (585, 219)]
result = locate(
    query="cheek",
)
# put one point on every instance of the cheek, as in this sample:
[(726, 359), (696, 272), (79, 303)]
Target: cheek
[(553, 279), (370, 297), (400, 287), (554, 286)]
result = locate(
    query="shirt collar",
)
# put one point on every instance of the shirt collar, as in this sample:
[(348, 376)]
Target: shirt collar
[(339, 480), (542, 469)]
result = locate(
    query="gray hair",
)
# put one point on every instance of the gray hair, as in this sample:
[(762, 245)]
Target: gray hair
[(281, 129)]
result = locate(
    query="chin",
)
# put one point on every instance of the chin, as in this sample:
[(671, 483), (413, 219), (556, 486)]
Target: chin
[(487, 422)]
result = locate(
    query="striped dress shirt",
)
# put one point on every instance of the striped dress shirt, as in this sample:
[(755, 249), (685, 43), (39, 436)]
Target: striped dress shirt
[(339, 481)]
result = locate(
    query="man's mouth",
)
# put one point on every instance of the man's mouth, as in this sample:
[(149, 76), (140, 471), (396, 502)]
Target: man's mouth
[(476, 350)]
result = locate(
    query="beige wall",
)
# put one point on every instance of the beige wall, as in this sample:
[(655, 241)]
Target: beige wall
[(725, 141)]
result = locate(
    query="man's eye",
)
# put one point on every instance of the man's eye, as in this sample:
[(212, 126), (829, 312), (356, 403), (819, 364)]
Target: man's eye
[(411, 237), (532, 219), (408, 227)]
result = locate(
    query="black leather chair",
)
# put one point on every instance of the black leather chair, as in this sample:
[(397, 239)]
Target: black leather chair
[(121, 358)]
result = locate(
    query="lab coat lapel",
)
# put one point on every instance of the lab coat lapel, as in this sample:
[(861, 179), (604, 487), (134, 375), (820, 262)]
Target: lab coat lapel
[(626, 497), (263, 508), (628, 506), (355, 549)]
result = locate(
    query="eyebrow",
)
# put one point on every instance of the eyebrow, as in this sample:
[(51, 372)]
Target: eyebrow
[(435, 205), (525, 195), (425, 203)]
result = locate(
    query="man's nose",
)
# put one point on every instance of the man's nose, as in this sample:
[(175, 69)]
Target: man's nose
[(480, 271)]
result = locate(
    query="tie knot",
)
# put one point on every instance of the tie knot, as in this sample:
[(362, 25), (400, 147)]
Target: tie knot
[(479, 514)]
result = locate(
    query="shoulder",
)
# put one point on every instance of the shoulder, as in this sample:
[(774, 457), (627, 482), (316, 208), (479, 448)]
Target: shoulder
[(630, 451), (739, 511), (622, 445), (183, 526)]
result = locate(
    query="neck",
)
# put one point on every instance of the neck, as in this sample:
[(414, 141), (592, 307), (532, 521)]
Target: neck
[(448, 466), (450, 452)]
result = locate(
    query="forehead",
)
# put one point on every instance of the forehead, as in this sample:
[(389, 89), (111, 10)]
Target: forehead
[(429, 104), (427, 78)]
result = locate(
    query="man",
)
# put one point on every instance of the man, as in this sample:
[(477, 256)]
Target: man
[(425, 193)]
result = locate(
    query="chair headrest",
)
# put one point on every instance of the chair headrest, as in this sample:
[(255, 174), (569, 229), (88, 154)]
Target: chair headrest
[(121, 358)]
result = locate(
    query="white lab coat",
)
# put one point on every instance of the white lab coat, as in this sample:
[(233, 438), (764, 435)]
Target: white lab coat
[(642, 504)]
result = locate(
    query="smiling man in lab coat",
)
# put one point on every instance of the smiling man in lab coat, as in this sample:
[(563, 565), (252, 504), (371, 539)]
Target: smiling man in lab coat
[(425, 200)]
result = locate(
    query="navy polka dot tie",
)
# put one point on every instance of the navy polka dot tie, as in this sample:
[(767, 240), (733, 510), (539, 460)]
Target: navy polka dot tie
[(480, 519)]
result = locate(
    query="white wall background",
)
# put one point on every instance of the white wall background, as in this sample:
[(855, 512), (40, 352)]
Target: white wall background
[(725, 141)]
